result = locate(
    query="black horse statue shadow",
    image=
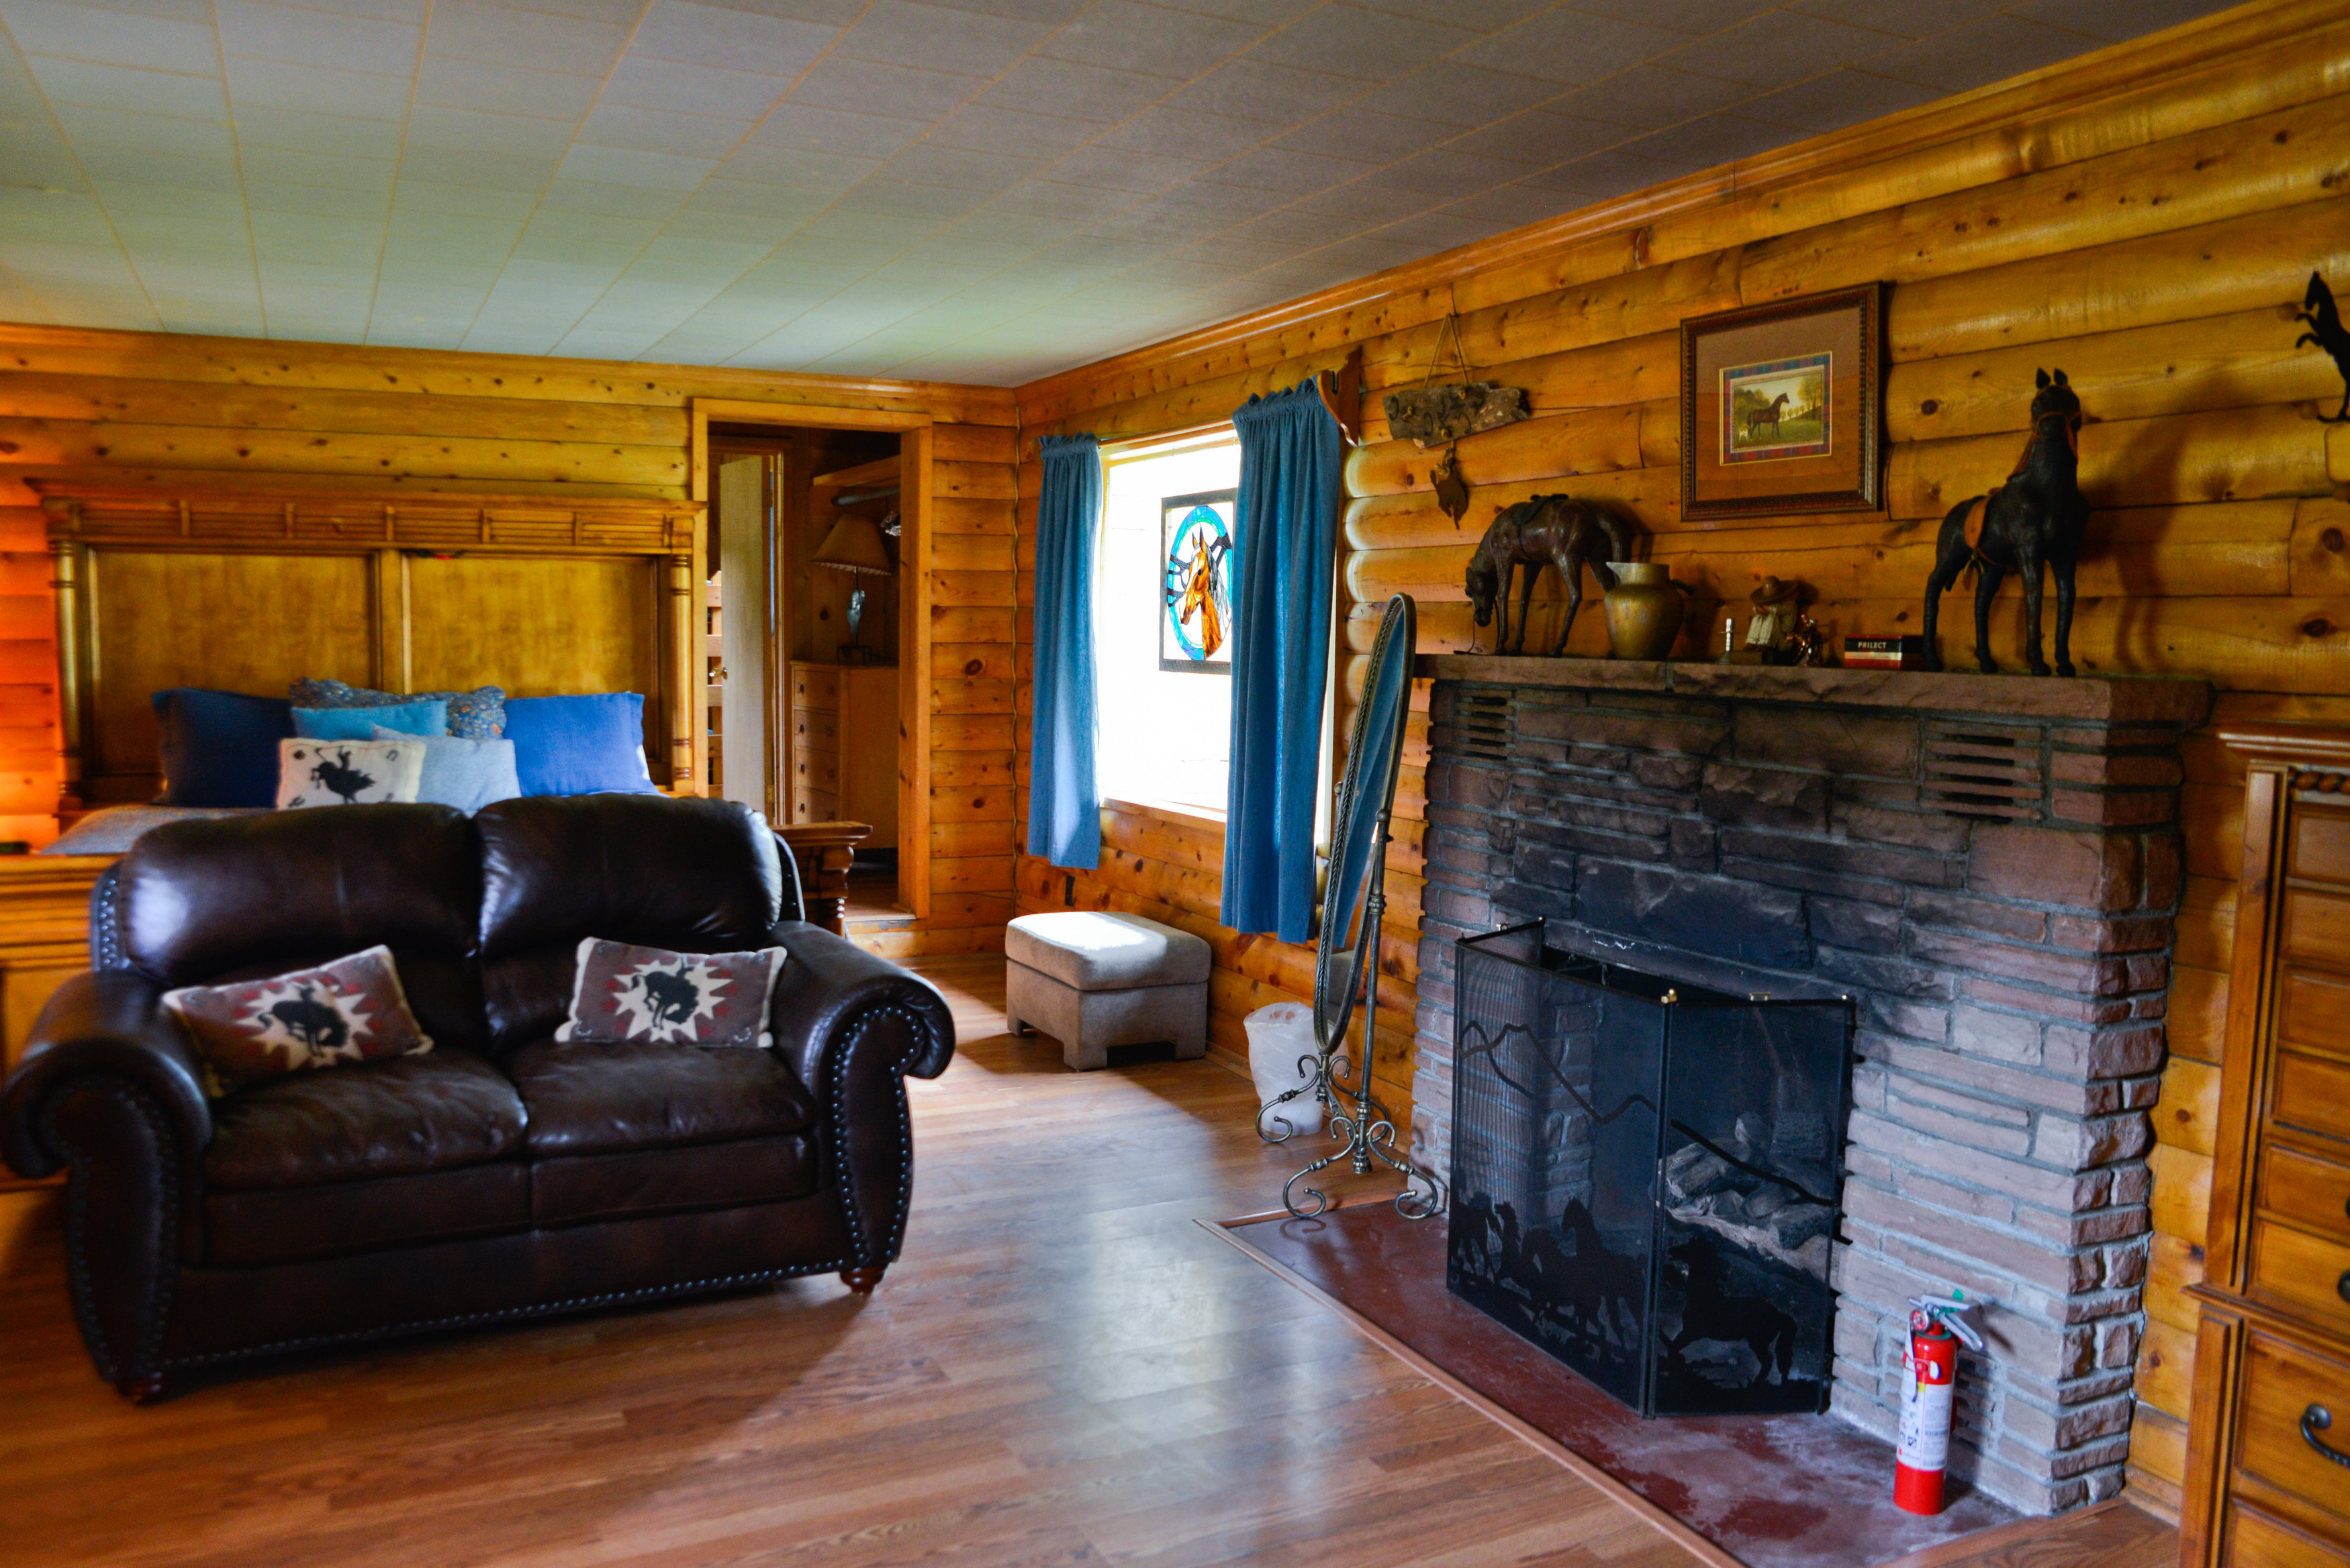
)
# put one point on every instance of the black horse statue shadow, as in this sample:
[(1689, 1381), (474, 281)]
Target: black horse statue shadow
[(2037, 518)]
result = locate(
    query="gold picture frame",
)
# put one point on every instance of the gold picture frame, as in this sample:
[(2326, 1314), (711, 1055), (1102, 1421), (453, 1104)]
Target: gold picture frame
[(1783, 407)]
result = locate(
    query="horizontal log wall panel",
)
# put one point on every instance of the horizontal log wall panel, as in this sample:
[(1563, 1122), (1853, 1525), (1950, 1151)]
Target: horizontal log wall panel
[(2235, 362), (424, 372), (349, 455), (2173, 1263), (2262, 259), (112, 401), (2253, 165)]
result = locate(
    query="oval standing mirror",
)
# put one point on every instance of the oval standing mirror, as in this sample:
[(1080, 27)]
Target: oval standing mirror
[(1353, 900)]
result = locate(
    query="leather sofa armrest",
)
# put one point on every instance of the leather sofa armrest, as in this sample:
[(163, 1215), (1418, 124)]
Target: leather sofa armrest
[(853, 1027), (826, 983), (103, 1024)]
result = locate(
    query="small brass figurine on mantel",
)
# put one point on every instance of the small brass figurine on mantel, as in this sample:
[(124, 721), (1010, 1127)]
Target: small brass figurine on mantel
[(2038, 515), (1544, 531), (1777, 631)]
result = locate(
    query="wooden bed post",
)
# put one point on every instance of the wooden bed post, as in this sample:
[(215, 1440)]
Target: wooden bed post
[(65, 580)]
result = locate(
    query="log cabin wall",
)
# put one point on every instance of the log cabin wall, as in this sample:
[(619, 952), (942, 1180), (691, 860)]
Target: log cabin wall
[(186, 413), (2146, 218)]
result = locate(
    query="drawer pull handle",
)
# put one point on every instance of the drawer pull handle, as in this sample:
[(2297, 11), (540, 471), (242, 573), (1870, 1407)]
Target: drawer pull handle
[(2341, 1285), (2313, 1421)]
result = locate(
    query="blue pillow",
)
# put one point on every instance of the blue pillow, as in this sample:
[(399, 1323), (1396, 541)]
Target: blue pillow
[(219, 748), (421, 717), (580, 745), (467, 774)]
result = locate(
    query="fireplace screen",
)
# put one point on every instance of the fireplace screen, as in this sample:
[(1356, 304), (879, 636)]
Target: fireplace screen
[(1646, 1175)]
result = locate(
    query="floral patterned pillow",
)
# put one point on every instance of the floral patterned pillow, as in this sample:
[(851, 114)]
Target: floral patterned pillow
[(651, 996), (353, 1009), (476, 715)]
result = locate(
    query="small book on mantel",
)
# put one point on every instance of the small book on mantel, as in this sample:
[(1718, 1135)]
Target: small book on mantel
[(1885, 653)]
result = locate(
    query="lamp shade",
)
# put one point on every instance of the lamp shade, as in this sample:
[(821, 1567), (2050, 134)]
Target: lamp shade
[(855, 546)]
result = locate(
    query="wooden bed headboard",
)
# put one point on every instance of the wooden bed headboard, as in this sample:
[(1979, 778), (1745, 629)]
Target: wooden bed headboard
[(248, 591)]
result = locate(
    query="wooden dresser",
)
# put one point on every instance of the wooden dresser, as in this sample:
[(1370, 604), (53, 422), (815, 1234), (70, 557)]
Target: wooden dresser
[(2268, 1471), (844, 747)]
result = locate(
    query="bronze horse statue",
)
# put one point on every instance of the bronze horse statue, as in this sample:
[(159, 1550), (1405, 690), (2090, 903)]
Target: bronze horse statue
[(2038, 516), (1544, 531)]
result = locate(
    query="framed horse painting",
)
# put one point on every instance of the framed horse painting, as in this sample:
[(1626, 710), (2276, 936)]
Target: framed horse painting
[(1783, 407)]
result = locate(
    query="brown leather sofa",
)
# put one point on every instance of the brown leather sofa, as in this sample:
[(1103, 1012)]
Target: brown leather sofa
[(502, 1175)]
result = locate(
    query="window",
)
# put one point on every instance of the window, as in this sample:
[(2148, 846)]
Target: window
[(1165, 733)]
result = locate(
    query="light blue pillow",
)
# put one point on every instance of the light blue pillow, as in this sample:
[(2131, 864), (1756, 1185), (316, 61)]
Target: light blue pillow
[(467, 774), (588, 744), (421, 717)]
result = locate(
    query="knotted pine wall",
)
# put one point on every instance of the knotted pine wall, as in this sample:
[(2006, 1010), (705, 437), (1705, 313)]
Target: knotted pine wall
[(2146, 218)]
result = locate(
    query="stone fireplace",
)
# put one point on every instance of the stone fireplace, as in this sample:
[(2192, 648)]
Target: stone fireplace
[(1988, 866)]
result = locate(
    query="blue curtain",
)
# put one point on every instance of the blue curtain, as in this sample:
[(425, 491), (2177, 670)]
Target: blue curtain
[(1285, 535), (1064, 805)]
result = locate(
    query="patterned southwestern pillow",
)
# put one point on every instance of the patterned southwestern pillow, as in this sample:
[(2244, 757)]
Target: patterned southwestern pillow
[(649, 996), (476, 715), (347, 772), (353, 1009)]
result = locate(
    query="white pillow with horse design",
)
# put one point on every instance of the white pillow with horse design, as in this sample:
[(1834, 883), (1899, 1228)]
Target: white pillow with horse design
[(347, 772), (650, 996)]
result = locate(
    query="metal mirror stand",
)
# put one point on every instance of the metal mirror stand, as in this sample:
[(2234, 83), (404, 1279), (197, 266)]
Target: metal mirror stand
[(1346, 960)]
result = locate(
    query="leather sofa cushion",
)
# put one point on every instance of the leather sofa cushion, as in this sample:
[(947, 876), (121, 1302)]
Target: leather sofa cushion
[(401, 1117), (668, 1180), (199, 899), (588, 1096), (691, 875), (285, 1225)]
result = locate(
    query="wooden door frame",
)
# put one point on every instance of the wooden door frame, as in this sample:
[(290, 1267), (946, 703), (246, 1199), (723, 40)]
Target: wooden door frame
[(914, 555), (774, 468)]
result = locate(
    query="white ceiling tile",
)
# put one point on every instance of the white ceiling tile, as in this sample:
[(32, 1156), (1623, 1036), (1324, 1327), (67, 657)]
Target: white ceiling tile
[(1371, 46), (302, 130), (870, 88), (462, 29), (803, 128), (982, 128), (317, 89), (1569, 46), (203, 203), (621, 201), (367, 178), (640, 82), (113, 38), (903, 33), (740, 40), (656, 131), (503, 87), (787, 205), (509, 174), (787, 166), (177, 94), (299, 36), (91, 129)]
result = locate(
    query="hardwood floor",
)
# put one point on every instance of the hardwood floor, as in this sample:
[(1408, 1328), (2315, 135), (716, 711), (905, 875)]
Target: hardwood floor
[(1063, 1369)]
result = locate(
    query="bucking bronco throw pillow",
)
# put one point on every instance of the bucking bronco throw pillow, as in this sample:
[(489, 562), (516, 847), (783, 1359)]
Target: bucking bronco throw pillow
[(347, 772), (353, 1009), (651, 997)]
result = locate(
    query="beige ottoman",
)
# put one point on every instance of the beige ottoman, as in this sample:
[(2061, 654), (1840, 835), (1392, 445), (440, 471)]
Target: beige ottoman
[(1095, 980)]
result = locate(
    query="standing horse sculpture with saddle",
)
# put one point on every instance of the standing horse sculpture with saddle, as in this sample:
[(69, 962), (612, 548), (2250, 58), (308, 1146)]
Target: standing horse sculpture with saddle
[(2038, 515), (1546, 531)]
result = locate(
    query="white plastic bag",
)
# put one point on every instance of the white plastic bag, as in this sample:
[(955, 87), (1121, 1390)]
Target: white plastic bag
[(1280, 1036)]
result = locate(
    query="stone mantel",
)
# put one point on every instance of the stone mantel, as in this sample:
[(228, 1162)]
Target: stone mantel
[(2124, 700)]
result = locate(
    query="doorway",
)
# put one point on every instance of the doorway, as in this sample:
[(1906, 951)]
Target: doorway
[(802, 632)]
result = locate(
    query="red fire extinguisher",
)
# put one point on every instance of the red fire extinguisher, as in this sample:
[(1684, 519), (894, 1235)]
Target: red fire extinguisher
[(1928, 1389)]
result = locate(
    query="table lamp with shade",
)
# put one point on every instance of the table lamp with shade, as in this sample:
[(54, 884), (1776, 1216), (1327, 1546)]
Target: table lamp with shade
[(855, 546)]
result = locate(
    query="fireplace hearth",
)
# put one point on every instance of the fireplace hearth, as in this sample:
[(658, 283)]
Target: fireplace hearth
[(1646, 1175), (1989, 867)]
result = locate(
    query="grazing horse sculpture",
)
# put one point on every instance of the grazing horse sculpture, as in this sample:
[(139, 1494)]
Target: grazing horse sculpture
[(1760, 418), (1547, 530), (2318, 313), (2038, 515)]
